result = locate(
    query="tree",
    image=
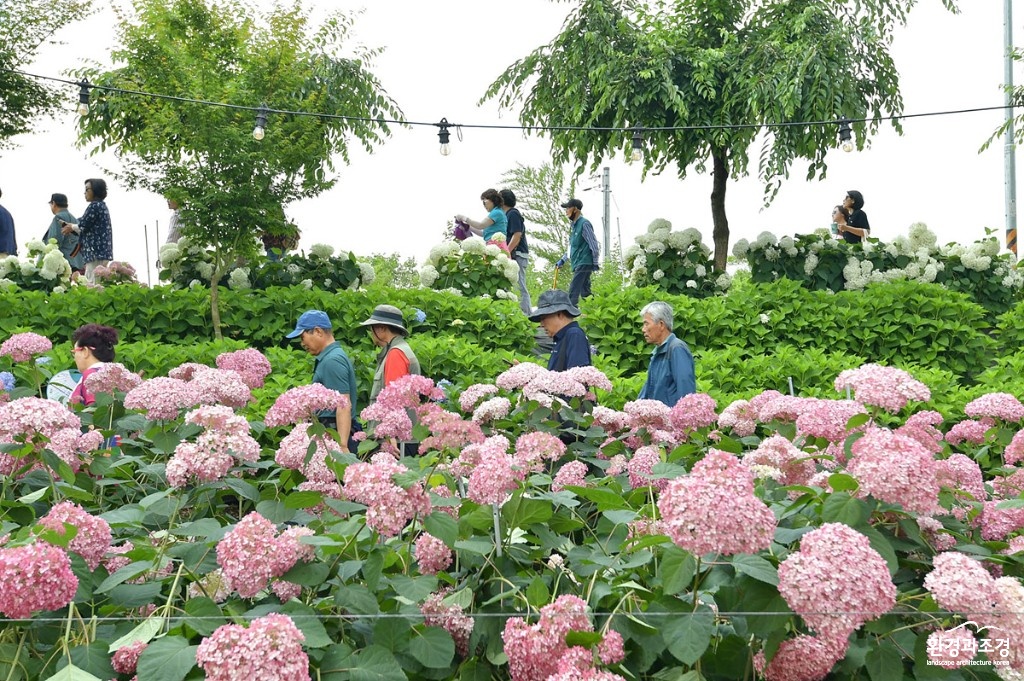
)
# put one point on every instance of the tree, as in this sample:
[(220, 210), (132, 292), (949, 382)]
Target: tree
[(717, 72), (539, 193), (24, 28), (232, 187)]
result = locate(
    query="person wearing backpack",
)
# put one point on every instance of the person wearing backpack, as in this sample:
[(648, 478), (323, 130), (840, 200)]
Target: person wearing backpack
[(516, 239)]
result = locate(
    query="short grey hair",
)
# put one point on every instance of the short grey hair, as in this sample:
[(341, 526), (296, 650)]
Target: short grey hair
[(660, 312)]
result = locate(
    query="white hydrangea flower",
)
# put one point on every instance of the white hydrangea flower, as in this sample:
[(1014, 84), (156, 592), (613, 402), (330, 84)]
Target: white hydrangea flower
[(692, 235), (810, 264), (658, 275), (366, 273), (238, 280), (657, 247), (892, 249), (28, 268), (765, 239), (740, 248), (724, 281), (474, 244), (195, 283), (321, 250), (54, 261), (771, 254), (306, 284), (658, 224), (428, 275), (292, 268), (205, 270), (690, 283), (169, 254), (56, 289), (677, 240), (35, 247), (765, 319), (701, 270), (922, 237), (989, 246), (492, 250), (661, 235), (929, 273), (6, 283), (632, 252)]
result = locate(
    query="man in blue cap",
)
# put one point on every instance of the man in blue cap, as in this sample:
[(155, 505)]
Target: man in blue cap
[(332, 369)]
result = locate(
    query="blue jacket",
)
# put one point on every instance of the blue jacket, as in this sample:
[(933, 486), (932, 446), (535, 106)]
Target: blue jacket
[(671, 373), (8, 243), (572, 349)]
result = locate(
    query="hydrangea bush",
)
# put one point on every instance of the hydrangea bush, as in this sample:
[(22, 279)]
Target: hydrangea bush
[(44, 268), (820, 261), (537, 536), (676, 262), (471, 268)]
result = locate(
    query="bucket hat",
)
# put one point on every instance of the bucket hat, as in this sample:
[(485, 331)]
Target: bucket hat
[(551, 302), (388, 315)]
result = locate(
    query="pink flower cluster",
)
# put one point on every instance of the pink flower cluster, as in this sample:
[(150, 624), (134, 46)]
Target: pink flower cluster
[(432, 554), (693, 412), (534, 651), (111, 378), (221, 386), (612, 421), (224, 440), (492, 410), (640, 466), (546, 386), (126, 660), (572, 473), (516, 377), (836, 581), (252, 553), (952, 648), (93, 537), (922, 427), (451, 618), (896, 469), (162, 398), (714, 508), (741, 417), (269, 650), (302, 404), (474, 393), (1014, 452), (591, 377), (828, 418), (534, 448), (251, 364), (22, 346), (496, 475), (887, 388), (44, 424), (293, 450), (389, 506), (1003, 406), (772, 405), (963, 476), (649, 414), (970, 431), (997, 523), (795, 466), (448, 431), (803, 658), (35, 577)]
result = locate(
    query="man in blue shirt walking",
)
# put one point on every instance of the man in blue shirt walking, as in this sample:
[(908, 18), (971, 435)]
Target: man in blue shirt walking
[(555, 313), (671, 372)]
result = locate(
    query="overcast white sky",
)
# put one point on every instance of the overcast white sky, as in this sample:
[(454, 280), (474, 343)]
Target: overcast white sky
[(439, 59)]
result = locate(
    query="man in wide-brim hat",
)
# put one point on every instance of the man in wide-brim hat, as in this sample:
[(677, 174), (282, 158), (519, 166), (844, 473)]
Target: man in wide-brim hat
[(557, 316)]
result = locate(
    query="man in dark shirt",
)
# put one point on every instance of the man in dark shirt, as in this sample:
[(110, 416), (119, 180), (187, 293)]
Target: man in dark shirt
[(556, 315), (332, 369), (8, 242), (515, 237)]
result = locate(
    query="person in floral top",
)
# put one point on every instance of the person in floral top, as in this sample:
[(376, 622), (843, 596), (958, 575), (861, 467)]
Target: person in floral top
[(96, 234)]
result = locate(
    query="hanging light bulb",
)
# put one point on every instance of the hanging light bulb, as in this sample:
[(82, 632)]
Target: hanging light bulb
[(83, 98), (261, 123), (638, 144), (443, 136), (845, 134)]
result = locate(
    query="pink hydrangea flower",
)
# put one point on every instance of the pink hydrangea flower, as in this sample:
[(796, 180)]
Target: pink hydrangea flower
[(224, 440), (449, 431), (432, 554), (612, 421), (126, 659), (640, 466), (93, 539), (43, 424), (836, 581), (617, 465), (572, 473), (533, 651), (611, 649), (922, 427), (111, 378), (741, 417), (270, 649), (185, 372), (387, 423), (251, 364), (784, 408), (474, 393), (22, 346), (451, 618), (550, 384), (693, 412), (649, 414), (533, 448), (998, 523), (389, 507), (1002, 406), (471, 455), (963, 476), (969, 431), (492, 410), (714, 509), (252, 553), (828, 418), (221, 386), (794, 465), (804, 658), (33, 578), (293, 451), (517, 376), (1010, 621), (162, 398), (961, 584), (592, 377), (494, 478), (888, 388), (1014, 452), (896, 469), (303, 403)]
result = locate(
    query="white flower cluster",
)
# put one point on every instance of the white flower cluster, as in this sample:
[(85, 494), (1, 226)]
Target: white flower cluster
[(43, 260), (474, 245), (658, 240), (239, 279), (321, 250), (367, 275)]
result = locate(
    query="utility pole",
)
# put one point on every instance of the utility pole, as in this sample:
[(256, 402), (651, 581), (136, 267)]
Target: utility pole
[(1009, 147), (606, 188)]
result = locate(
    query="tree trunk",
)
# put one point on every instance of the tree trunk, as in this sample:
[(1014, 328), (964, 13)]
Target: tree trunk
[(215, 304), (721, 233)]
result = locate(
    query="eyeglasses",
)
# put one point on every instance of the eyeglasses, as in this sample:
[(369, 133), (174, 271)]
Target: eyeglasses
[(77, 348)]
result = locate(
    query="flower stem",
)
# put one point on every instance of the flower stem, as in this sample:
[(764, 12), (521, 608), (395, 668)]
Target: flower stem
[(497, 528)]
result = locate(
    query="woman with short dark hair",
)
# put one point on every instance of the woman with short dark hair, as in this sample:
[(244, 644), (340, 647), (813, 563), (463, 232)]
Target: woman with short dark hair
[(93, 346), (857, 228), (97, 236)]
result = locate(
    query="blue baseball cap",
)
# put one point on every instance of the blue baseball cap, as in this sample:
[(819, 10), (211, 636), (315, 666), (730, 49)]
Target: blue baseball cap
[(310, 319)]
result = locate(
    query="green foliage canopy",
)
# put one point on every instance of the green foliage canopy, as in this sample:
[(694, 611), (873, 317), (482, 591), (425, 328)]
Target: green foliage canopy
[(719, 72)]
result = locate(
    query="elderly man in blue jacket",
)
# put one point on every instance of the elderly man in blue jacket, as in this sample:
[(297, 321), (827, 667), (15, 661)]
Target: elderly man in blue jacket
[(671, 372)]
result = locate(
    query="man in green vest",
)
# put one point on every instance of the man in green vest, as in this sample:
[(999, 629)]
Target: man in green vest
[(584, 251)]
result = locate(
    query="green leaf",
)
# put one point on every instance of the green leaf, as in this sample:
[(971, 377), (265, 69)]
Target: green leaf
[(433, 647), (414, 589), (584, 639), (93, 658), (308, 574), (311, 626), (677, 569), (169, 658), (203, 615), (689, 634), (305, 499), (375, 663), (72, 673), (605, 499), (884, 662), (537, 594), (144, 631), (841, 482), (840, 507), (756, 567), (442, 526)]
